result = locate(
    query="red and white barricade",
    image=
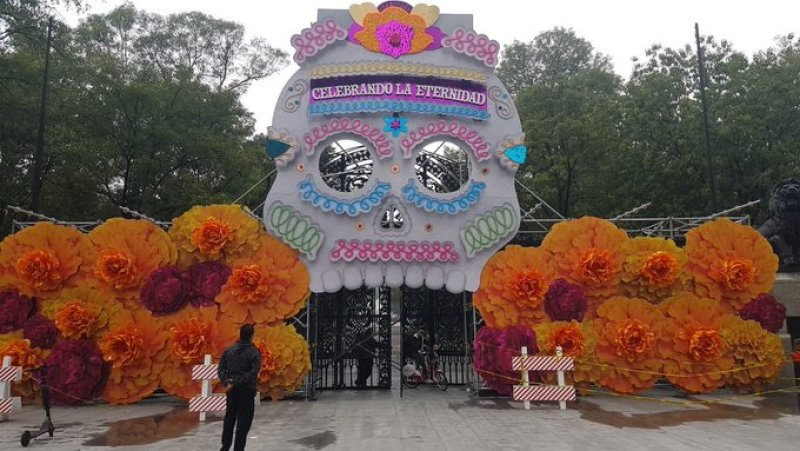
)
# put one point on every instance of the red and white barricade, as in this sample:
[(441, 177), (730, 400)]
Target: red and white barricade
[(9, 374), (528, 393), (208, 401)]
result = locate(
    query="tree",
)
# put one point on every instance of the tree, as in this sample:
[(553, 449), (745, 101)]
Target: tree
[(551, 56)]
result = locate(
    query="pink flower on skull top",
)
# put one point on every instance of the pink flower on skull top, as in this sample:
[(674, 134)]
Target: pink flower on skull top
[(395, 38)]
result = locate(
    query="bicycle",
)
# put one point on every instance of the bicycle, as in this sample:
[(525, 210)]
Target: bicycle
[(415, 375)]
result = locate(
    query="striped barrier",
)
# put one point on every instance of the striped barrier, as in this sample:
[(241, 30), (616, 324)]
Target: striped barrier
[(208, 401), (528, 393), (9, 374)]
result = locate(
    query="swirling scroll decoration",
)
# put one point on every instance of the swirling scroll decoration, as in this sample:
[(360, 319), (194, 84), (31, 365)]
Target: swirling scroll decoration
[(488, 229), (311, 194), (294, 93), (295, 229), (312, 40), (479, 146), (470, 43), (502, 103), (358, 127), (430, 204)]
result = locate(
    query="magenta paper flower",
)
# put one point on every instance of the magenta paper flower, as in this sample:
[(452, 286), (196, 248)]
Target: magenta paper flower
[(14, 310), (494, 349), (166, 291), (765, 310), (394, 38), (76, 372), (207, 279), (41, 331), (565, 301)]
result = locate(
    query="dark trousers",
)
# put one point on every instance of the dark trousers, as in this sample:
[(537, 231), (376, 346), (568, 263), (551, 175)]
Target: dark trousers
[(239, 411), (364, 371)]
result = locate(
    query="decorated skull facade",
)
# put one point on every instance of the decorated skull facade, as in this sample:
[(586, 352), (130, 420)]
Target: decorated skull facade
[(396, 148)]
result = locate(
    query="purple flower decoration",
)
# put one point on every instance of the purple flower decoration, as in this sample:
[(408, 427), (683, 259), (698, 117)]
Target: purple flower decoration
[(166, 291), (565, 301), (394, 38), (494, 349), (766, 311), (207, 280), (14, 310), (76, 372), (41, 332)]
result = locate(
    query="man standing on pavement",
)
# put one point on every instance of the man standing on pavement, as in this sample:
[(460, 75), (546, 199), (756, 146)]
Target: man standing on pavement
[(238, 371)]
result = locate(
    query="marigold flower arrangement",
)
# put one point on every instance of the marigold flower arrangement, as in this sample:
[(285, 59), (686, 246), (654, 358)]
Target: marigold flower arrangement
[(654, 268), (513, 287), (126, 251), (565, 301), (757, 354), (494, 349), (577, 340), (81, 312), (15, 310), (629, 330), (42, 259), (730, 262), (215, 233), (765, 310), (27, 356), (696, 358), (136, 351), (285, 359), (75, 372), (271, 285)]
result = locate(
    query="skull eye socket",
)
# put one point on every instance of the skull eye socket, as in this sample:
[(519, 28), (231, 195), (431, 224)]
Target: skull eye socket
[(442, 166), (345, 164)]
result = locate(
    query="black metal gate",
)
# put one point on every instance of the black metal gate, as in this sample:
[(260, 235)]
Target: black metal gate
[(447, 318), (343, 323)]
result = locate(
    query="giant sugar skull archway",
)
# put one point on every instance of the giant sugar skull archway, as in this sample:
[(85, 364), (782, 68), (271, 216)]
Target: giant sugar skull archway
[(396, 148)]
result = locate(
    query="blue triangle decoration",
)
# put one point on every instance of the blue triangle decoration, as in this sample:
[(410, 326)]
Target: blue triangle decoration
[(276, 148), (516, 154)]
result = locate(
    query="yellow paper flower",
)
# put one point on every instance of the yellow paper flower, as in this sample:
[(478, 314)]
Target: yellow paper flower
[(653, 268), (126, 251), (513, 284), (270, 286), (588, 252), (82, 312), (730, 262), (695, 355), (44, 258), (285, 359), (215, 232), (137, 351), (577, 340), (758, 354), (628, 330)]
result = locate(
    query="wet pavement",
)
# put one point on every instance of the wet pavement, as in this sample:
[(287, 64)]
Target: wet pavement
[(428, 419)]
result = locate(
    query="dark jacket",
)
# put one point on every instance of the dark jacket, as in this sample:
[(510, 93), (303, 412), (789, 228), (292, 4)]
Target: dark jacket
[(240, 365)]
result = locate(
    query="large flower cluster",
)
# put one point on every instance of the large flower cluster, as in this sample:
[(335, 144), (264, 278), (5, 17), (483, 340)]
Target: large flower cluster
[(494, 349), (130, 308)]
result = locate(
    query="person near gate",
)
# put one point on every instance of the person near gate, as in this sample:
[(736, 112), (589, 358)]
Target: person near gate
[(365, 349), (238, 371)]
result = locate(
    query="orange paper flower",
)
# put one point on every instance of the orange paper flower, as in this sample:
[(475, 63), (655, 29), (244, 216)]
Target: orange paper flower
[(82, 312), (588, 252), (126, 251), (394, 32), (513, 284), (577, 340), (653, 268), (137, 352), (730, 262), (215, 232), (42, 259), (193, 334), (696, 357), (628, 330), (29, 358), (287, 359), (270, 286), (758, 354)]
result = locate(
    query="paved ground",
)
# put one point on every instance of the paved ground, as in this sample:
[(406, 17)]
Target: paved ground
[(427, 419)]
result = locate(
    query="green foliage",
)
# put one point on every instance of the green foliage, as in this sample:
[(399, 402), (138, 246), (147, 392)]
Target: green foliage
[(144, 112)]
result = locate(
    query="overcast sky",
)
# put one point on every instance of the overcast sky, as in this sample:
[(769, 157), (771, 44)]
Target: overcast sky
[(619, 28)]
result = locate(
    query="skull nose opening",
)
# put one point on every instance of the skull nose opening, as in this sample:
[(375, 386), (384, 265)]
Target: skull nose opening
[(392, 219)]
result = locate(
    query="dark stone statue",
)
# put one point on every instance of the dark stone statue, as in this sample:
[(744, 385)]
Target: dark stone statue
[(782, 229)]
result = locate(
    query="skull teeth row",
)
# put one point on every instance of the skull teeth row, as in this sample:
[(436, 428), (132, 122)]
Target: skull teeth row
[(393, 275)]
